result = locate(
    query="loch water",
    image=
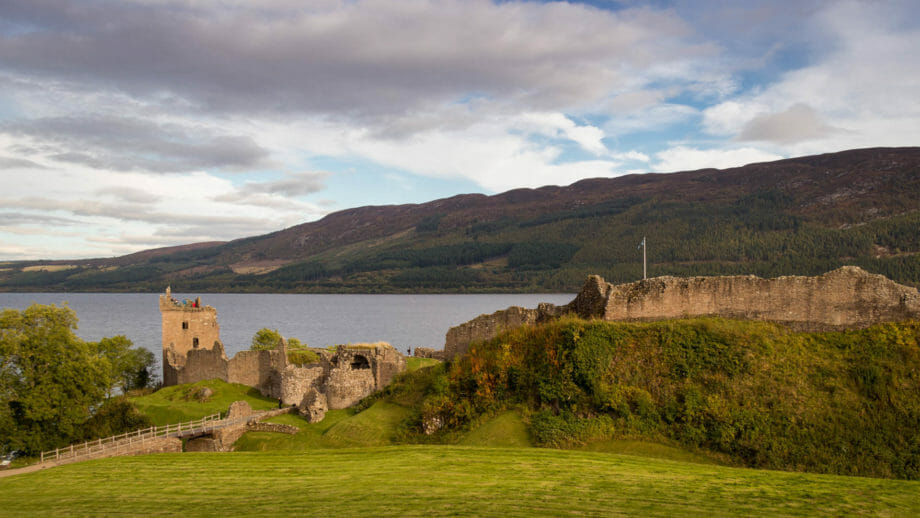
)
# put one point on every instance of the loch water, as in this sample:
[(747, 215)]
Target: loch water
[(318, 320)]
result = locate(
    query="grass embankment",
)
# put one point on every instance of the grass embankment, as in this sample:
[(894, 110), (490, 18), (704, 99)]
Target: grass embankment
[(437, 481), (184, 402)]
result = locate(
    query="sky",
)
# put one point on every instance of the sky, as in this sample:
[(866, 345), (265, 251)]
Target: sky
[(127, 125)]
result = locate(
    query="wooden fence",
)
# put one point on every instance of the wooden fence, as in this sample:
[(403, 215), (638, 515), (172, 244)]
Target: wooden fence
[(129, 440)]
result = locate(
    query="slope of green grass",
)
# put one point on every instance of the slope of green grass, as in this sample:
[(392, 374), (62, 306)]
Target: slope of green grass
[(506, 429), (372, 427), (439, 481), (650, 449), (309, 437), (375, 426), (179, 403), (413, 363)]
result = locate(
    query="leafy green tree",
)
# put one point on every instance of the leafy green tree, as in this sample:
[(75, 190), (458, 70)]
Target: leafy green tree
[(53, 384), (50, 380), (115, 417), (128, 367), (265, 339)]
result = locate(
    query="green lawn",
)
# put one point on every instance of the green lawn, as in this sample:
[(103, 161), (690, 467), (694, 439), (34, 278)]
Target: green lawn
[(438, 481), (506, 429)]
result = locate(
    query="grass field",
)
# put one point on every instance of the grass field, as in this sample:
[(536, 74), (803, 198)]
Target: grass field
[(438, 481)]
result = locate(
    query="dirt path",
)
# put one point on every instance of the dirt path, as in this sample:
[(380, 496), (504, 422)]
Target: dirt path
[(27, 469)]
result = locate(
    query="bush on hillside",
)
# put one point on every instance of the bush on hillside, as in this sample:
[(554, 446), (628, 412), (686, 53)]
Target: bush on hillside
[(842, 402)]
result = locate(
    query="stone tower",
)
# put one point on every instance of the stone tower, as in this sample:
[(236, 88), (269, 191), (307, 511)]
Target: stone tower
[(187, 326)]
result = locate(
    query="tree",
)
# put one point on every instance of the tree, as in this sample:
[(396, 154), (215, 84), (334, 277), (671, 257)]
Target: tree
[(265, 339), (51, 380), (128, 367), (53, 385)]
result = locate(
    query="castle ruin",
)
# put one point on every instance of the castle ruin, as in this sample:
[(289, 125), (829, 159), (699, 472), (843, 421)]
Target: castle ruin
[(192, 352), (848, 297)]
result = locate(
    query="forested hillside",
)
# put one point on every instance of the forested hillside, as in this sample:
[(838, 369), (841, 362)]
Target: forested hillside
[(802, 216)]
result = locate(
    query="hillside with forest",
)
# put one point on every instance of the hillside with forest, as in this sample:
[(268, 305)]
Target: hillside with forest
[(802, 216)]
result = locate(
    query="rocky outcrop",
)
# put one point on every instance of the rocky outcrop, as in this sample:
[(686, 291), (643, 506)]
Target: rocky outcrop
[(848, 297)]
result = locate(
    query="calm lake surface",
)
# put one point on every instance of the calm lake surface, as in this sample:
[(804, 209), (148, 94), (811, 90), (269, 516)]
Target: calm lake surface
[(317, 320)]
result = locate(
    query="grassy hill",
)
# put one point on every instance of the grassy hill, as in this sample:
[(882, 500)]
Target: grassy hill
[(750, 393), (439, 481), (802, 216), (181, 403)]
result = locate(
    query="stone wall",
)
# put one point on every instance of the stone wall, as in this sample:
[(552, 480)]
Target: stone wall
[(427, 352), (298, 380), (357, 371), (199, 364), (484, 327), (848, 297), (257, 369)]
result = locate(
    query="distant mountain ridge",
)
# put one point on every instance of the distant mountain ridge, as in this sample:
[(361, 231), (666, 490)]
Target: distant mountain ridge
[(802, 216)]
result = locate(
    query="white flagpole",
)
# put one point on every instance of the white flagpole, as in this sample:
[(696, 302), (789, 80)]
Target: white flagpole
[(644, 270)]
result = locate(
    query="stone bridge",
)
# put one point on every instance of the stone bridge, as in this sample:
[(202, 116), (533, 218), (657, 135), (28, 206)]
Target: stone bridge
[(211, 433)]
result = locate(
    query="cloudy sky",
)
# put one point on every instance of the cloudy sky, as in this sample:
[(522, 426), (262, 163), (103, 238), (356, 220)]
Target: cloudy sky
[(134, 124)]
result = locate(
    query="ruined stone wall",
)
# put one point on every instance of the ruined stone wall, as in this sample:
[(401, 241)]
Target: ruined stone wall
[(848, 297), (346, 386), (256, 369), (485, 327), (296, 381), (386, 363), (201, 364), (359, 370)]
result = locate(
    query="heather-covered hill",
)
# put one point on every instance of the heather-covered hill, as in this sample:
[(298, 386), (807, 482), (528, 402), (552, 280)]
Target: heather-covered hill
[(800, 216)]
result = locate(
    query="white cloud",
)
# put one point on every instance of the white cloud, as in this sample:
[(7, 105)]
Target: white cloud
[(862, 92), (558, 125), (798, 123), (683, 158)]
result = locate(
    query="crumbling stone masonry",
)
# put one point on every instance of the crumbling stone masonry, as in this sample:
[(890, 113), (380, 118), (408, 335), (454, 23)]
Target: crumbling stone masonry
[(192, 351), (847, 297)]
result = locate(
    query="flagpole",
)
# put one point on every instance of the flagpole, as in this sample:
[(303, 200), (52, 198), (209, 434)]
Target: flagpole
[(644, 270)]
